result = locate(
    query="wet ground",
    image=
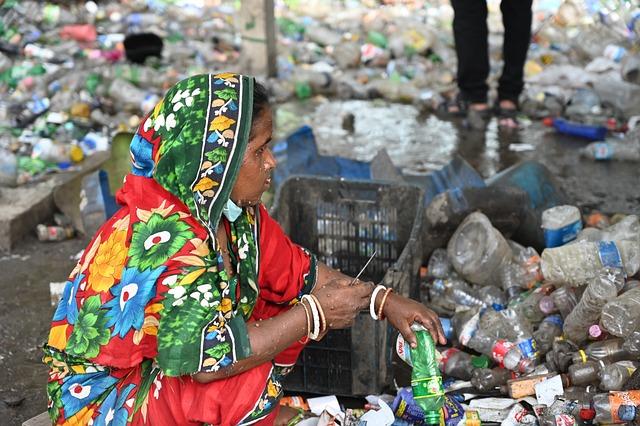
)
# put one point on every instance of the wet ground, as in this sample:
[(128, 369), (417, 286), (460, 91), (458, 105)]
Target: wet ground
[(416, 143)]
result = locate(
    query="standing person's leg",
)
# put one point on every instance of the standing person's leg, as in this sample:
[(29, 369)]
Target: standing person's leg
[(516, 17), (470, 33)]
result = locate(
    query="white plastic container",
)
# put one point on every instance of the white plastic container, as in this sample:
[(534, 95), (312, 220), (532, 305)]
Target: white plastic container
[(561, 224)]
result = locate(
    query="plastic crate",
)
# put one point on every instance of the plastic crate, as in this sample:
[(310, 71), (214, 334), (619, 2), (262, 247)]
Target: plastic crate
[(343, 222)]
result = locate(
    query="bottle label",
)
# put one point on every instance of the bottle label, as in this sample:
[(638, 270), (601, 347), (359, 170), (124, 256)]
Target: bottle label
[(403, 350), (565, 420), (610, 255), (469, 329), (427, 387), (602, 151), (619, 399), (554, 319), (499, 351), (445, 357), (447, 327), (561, 236), (528, 348)]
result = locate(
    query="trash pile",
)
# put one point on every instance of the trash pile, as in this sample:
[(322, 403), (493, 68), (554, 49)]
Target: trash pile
[(74, 74), (550, 339)]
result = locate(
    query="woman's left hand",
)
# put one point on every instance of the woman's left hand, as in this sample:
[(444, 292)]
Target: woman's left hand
[(402, 313)]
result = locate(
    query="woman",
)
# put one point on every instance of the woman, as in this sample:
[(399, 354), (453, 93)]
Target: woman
[(185, 307)]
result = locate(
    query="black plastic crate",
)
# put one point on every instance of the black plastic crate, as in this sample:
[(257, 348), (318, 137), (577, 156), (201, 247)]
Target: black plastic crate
[(343, 222)]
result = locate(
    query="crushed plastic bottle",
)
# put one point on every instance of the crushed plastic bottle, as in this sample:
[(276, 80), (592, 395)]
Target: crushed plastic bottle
[(549, 329), (581, 262), (439, 265), (621, 316), (486, 379), (477, 250), (598, 292), (614, 376), (616, 407)]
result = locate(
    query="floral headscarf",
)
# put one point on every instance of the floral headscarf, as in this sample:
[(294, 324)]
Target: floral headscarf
[(152, 282)]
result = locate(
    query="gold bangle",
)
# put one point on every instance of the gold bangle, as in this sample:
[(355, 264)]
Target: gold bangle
[(384, 300), (323, 319), (305, 339)]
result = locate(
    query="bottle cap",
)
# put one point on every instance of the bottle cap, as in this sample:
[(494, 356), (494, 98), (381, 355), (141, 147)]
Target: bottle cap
[(481, 361), (547, 305), (595, 331), (627, 413), (587, 414)]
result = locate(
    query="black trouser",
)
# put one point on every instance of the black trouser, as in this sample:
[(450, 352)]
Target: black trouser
[(470, 32)]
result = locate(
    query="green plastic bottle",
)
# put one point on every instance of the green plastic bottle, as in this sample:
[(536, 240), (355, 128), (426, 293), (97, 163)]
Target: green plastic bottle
[(426, 381)]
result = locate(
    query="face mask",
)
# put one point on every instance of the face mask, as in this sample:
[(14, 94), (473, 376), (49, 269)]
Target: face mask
[(231, 211)]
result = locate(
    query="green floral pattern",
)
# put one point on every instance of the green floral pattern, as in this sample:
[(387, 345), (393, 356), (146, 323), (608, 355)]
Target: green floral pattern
[(90, 331), (157, 240)]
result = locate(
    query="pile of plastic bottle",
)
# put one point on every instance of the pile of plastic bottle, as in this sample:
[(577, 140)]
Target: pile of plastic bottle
[(555, 335)]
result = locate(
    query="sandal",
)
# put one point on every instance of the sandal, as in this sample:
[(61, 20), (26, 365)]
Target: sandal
[(453, 108), (507, 117)]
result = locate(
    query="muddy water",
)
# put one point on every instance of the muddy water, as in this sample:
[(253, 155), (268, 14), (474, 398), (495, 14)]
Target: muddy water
[(421, 143), (415, 143)]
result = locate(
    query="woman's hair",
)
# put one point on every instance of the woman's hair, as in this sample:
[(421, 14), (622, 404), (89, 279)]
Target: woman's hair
[(260, 99)]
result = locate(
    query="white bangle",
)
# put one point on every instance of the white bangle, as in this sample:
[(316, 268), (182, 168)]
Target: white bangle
[(372, 303), (315, 332)]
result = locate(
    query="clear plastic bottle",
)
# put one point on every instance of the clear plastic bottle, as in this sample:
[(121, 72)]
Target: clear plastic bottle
[(565, 299), (486, 379), (583, 261), (615, 376), (612, 149), (585, 373), (549, 329), (632, 343), (626, 229), (587, 311), (611, 350), (459, 364), (537, 305), (492, 295), (456, 291), (561, 224), (477, 250), (616, 407), (561, 355), (439, 265), (621, 316)]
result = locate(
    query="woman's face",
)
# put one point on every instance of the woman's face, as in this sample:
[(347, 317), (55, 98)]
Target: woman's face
[(254, 176)]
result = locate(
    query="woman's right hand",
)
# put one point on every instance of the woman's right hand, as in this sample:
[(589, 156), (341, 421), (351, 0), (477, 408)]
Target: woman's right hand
[(341, 302)]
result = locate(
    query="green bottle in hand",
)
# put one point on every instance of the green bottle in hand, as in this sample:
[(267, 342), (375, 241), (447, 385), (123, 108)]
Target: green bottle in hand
[(426, 381)]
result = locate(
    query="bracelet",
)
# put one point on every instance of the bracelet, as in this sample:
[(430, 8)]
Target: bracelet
[(384, 300), (305, 339), (372, 303), (313, 334), (323, 318)]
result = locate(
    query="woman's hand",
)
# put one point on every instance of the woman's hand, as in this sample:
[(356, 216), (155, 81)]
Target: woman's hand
[(402, 313), (341, 302)]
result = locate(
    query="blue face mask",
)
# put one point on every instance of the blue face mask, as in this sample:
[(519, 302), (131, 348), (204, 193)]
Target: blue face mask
[(231, 211)]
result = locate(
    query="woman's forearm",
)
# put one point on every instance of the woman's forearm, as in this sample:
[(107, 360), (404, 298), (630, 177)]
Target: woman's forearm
[(267, 338)]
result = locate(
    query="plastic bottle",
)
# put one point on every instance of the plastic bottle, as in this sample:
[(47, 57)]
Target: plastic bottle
[(615, 376), (439, 265), (616, 407), (537, 305), (459, 364), (594, 133), (486, 379), (626, 229), (587, 311), (549, 329), (585, 373), (612, 150), (491, 295), (426, 381), (8, 168), (632, 343), (456, 291), (477, 250), (578, 263), (54, 233), (561, 224), (565, 299), (611, 350), (621, 316)]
